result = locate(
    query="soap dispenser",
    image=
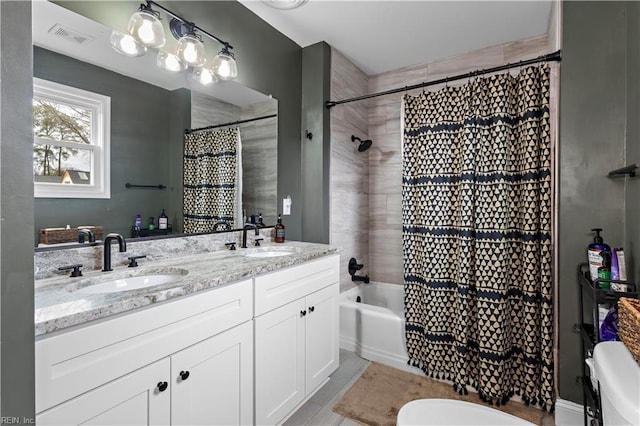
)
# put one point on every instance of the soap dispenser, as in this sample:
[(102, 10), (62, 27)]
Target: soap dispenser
[(594, 253)]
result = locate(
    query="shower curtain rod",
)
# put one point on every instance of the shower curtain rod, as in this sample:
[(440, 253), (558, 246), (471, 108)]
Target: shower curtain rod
[(550, 57), (248, 120)]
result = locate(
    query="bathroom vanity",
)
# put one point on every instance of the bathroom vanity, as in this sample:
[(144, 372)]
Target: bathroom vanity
[(234, 336)]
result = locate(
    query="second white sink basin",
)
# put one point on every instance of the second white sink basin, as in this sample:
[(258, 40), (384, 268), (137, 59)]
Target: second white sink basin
[(130, 283), (269, 253)]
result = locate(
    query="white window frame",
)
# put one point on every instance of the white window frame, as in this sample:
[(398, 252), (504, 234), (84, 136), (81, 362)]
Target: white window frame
[(100, 106)]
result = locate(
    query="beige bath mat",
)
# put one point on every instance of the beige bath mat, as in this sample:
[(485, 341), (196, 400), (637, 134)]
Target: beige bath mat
[(381, 391)]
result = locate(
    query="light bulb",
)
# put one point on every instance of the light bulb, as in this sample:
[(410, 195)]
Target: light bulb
[(145, 32), (126, 45), (224, 65), (146, 27), (170, 62), (191, 50), (204, 76)]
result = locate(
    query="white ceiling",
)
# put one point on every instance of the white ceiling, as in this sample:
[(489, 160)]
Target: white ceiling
[(379, 36)]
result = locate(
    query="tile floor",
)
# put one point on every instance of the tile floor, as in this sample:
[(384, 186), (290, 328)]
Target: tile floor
[(318, 409)]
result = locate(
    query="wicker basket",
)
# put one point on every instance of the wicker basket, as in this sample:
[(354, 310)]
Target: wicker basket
[(63, 235), (629, 325)]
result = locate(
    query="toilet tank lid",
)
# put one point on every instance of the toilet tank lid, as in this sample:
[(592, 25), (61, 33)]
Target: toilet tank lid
[(619, 377)]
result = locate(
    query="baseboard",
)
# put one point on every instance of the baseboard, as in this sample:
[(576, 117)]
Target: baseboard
[(569, 413)]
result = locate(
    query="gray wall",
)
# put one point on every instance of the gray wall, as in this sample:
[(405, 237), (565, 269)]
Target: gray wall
[(17, 390), (632, 187), (268, 62), (593, 112), (140, 144), (316, 77)]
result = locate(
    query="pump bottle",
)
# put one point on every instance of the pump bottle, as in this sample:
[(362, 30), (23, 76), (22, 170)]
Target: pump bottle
[(594, 253)]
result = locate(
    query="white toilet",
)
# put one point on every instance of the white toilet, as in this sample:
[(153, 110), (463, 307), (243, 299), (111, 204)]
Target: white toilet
[(452, 412), (619, 378)]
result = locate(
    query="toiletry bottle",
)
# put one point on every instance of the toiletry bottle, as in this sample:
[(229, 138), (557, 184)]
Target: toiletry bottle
[(137, 225), (163, 220), (622, 266), (151, 224), (595, 260), (260, 222), (604, 271), (615, 271), (279, 230)]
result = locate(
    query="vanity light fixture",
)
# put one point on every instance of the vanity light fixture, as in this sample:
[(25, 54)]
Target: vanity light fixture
[(191, 49), (146, 27), (170, 62), (126, 45), (145, 31), (204, 76), (224, 65)]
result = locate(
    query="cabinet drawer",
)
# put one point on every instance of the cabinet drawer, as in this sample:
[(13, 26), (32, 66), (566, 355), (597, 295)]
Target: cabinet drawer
[(279, 288), (73, 362)]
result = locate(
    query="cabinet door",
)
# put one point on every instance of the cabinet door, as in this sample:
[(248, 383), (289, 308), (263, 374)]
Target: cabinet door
[(279, 337), (134, 399), (322, 336), (212, 381)]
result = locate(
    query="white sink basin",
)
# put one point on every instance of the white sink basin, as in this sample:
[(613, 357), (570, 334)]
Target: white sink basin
[(130, 283), (269, 253)]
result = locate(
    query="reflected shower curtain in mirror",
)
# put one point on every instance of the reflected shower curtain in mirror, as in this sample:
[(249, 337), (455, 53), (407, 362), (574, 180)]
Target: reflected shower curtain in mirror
[(210, 179), (476, 207)]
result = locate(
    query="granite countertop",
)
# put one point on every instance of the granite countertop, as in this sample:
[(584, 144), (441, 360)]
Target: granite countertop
[(59, 304)]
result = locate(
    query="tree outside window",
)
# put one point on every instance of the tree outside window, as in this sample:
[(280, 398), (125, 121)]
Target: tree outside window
[(71, 142)]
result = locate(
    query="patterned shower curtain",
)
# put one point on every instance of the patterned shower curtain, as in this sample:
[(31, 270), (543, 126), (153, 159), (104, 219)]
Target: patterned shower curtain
[(210, 174), (477, 236)]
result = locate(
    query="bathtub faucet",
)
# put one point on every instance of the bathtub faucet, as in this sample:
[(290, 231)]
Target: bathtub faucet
[(354, 266)]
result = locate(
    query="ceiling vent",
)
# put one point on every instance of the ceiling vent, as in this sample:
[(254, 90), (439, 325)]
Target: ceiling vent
[(69, 34)]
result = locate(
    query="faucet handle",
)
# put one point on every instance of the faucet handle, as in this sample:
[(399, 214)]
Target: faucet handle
[(232, 246), (132, 260), (76, 270), (257, 241)]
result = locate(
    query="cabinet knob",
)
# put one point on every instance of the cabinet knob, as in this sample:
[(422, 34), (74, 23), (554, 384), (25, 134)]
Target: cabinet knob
[(162, 386), (312, 308), (184, 375), (303, 313)]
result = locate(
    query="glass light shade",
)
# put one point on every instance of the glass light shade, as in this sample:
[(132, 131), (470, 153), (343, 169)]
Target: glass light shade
[(146, 27), (224, 65), (204, 76), (191, 50), (126, 45), (170, 62)]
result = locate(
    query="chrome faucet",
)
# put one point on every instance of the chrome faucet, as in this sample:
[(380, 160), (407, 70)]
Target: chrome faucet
[(86, 233), (122, 245), (244, 233)]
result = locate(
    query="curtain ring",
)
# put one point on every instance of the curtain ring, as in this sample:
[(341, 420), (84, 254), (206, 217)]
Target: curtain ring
[(446, 82)]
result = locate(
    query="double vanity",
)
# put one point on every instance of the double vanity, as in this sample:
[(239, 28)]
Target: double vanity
[(194, 337)]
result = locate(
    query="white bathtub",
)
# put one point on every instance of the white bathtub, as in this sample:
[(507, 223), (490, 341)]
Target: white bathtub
[(374, 328)]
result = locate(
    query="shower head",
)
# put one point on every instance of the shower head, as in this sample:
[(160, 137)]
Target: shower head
[(364, 144)]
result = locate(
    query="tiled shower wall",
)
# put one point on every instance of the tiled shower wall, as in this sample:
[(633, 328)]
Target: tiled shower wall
[(349, 183), (379, 120)]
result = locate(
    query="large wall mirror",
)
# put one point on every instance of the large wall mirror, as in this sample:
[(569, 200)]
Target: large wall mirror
[(150, 109)]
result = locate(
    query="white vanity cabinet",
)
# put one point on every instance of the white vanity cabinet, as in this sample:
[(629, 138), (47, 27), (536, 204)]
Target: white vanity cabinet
[(296, 336), (213, 380), (135, 399), (245, 353), (113, 372)]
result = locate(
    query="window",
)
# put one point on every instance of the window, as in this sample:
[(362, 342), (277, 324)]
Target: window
[(71, 138)]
